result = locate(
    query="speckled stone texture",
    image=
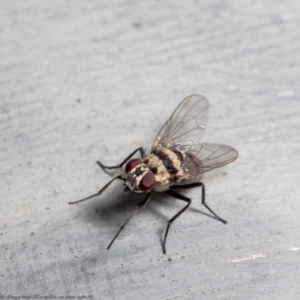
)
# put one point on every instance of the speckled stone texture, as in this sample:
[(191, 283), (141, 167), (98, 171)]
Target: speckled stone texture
[(88, 80)]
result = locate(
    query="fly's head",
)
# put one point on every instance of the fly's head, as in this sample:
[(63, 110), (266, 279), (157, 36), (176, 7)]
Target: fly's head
[(138, 177)]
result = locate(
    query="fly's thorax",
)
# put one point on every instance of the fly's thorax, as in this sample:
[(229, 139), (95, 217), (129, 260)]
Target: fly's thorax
[(172, 159)]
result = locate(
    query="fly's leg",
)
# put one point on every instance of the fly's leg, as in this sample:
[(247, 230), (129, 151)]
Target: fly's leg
[(181, 197), (139, 207), (186, 186), (207, 207), (196, 184), (100, 192), (142, 152)]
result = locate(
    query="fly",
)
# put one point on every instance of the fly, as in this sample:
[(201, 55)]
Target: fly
[(177, 160)]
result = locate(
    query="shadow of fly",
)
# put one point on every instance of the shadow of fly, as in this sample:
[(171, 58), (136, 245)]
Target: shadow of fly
[(177, 161)]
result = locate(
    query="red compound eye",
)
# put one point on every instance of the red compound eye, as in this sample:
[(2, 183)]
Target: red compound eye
[(147, 182), (131, 164)]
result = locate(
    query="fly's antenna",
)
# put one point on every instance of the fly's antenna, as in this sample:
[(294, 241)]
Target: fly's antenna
[(100, 192)]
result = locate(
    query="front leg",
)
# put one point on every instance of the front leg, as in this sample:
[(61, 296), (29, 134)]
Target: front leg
[(142, 152), (138, 208)]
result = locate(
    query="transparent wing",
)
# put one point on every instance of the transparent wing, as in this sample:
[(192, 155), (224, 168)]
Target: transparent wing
[(186, 126), (214, 156), (183, 131), (210, 156)]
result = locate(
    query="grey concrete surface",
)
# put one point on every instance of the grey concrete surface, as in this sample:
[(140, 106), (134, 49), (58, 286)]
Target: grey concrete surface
[(88, 80)]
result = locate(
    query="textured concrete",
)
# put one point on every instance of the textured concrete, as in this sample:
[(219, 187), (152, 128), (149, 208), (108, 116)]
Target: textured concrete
[(88, 80)]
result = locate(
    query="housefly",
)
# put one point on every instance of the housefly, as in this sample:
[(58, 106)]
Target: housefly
[(177, 160)]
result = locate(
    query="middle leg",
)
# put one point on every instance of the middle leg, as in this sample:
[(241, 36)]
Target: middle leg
[(177, 196), (197, 184)]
